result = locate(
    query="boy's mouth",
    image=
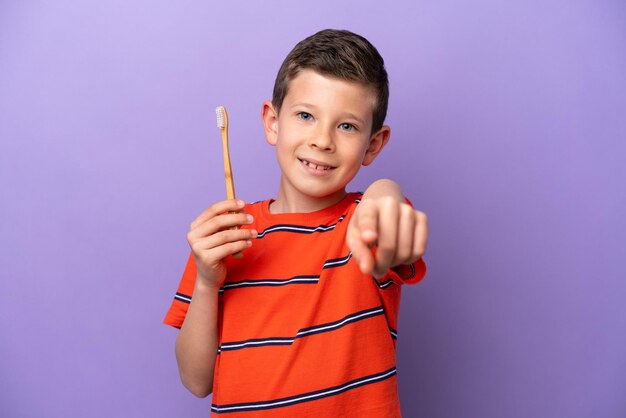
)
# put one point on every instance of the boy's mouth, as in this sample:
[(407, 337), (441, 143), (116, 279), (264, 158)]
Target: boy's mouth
[(315, 165)]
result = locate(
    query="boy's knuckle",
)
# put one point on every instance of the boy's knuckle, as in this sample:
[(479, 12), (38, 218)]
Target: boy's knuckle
[(403, 254), (406, 209), (195, 248), (419, 251), (240, 234), (237, 245), (389, 202), (386, 249), (216, 224)]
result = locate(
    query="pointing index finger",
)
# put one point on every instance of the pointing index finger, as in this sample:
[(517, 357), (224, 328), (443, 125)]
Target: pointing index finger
[(367, 223)]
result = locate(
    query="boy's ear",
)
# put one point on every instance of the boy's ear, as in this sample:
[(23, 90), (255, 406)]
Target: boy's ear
[(377, 142), (270, 122)]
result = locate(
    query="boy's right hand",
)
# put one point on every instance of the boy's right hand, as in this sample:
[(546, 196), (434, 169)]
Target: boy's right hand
[(211, 239)]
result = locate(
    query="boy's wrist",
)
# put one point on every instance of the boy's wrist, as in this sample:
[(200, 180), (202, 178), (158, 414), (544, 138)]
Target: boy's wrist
[(202, 285)]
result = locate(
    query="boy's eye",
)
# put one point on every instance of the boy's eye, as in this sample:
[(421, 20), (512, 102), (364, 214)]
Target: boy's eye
[(347, 127), (305, 116)]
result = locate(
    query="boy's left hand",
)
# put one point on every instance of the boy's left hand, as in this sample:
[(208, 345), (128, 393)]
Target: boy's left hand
[(399, 232)]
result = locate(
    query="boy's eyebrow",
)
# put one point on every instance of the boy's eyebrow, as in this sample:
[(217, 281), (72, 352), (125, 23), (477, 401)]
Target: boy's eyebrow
[(304, 104), (348, 114), (355, 117)]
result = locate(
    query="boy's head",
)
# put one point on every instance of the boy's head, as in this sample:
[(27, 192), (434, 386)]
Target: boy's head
[(326, 117), (337, 54)]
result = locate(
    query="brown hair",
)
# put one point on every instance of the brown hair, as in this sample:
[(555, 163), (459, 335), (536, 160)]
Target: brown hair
[(340, 54)]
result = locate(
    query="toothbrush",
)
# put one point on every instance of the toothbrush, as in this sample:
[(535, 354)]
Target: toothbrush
[(222, 124)]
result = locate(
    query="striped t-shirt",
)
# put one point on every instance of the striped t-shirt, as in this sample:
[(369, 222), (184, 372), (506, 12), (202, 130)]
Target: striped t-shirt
[(302, 332)]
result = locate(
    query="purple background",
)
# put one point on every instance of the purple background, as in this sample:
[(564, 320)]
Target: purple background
[(508, 128)]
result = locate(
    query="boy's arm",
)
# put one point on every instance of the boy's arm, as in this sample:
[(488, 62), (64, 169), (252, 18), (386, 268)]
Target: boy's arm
[(196, 343), (212, 240), (385, 219)]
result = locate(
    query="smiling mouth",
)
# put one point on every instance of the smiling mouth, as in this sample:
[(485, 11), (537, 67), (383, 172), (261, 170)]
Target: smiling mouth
[(315, 166)]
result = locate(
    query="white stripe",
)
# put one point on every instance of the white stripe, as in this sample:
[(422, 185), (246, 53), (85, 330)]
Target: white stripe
[(386, 284), (294, 228), (412, 271), (340, 323), (182, 298), (300, 333), (269, 282), (317, 395), (286, 341), (343, 260)]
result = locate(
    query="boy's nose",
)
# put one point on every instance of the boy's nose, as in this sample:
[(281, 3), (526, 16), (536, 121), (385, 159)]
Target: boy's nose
[(322, 140)]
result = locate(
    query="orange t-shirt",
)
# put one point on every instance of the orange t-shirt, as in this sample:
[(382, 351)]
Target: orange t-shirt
[(302, 332)]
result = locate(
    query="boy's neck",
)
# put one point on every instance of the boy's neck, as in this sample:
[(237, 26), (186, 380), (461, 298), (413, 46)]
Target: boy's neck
[(289, 203)]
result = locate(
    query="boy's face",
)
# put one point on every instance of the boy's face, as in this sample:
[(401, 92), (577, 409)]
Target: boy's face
[(322, 136)]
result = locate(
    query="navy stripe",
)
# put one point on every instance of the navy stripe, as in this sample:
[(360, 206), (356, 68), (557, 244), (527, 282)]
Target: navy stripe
[(182, 298), (394, 333), (412, 272), (310, 279), (385, 284), (337, 262), (302, 229), (299, 229), (304, 332), (389, 282), (304, 397)]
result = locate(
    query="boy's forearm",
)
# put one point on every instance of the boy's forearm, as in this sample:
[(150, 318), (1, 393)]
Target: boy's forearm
[(384, 188), (197, 343)]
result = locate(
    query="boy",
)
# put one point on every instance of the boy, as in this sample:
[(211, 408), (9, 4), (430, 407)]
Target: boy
[(304, 324)]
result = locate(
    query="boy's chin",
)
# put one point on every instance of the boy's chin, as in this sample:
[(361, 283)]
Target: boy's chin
[(313, 189), (326, 194)]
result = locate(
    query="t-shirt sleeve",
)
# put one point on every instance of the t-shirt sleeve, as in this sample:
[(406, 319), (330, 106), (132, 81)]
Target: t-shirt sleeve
[(409, 273), (175, 316)]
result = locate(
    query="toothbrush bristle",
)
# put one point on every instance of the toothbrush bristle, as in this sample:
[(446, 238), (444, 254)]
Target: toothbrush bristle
[(219, 112)]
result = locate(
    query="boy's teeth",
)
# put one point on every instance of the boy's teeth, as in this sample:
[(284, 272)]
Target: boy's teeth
[(317, 167)]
